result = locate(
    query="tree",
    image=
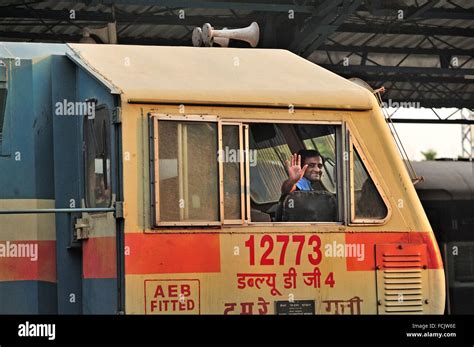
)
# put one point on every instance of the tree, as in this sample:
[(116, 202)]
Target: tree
[(430, 154)]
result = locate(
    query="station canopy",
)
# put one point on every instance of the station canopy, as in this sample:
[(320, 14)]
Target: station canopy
[(421, 51)]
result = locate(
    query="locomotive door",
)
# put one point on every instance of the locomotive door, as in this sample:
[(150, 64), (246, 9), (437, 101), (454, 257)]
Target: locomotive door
[(97, 227)]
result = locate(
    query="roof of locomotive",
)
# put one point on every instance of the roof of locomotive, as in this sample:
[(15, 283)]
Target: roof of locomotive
[(205, 75), (219, 76)]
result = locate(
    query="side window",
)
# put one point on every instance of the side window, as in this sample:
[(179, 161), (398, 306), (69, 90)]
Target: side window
[(97, 158), (208, 172), (277, 197), (326, 145), (186, 179), (368, 204), (267, 172), (232, 158), (197, 171), (3, 95)]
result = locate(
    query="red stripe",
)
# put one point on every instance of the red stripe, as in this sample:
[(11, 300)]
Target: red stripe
[(172, 253), (434, 255), (25, 268), (369, 240), (99, 258)]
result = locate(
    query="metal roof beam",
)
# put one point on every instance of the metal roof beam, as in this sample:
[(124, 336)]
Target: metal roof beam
[(434, 13), (346, 10), (242, 6), (404, 29), (39, 36), (414, 78), (125, 18), (432, 121), (436, 103), (424, 89), (154, 41), (398, 50), (398, 69), (329, 16), (445, 13), (311, 28), (419, 11), (14, 35), (56, 14)]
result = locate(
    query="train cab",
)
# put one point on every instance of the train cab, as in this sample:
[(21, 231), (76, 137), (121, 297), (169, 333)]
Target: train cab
[(171, 187)]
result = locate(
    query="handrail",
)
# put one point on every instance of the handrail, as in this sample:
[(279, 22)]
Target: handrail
[(398, 142), (58, 210)]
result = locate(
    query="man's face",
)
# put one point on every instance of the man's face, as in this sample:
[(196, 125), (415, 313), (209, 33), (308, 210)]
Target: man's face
[(315, 168)]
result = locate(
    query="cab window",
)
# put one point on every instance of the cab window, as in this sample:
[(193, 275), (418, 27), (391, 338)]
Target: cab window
[(205, 171), (314, 198), (186, 175), (368, 203), (97, 158), (197, 171), (231, 155)]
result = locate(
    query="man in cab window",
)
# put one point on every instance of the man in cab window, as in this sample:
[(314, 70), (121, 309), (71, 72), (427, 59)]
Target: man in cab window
[(306, 177), (304, 174)]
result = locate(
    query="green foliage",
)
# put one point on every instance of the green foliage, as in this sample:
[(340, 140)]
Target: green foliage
[(430, 154)]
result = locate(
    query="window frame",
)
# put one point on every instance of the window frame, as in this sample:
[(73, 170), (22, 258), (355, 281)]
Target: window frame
[(342, 189), (154, 118), (341, 194), (353, 221), (242, 164), (85, 154)]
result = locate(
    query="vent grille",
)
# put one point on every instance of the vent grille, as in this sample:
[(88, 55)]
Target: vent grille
[(464, 264), (400, 278)]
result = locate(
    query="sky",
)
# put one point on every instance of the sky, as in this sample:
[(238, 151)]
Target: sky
[(445, 139)]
